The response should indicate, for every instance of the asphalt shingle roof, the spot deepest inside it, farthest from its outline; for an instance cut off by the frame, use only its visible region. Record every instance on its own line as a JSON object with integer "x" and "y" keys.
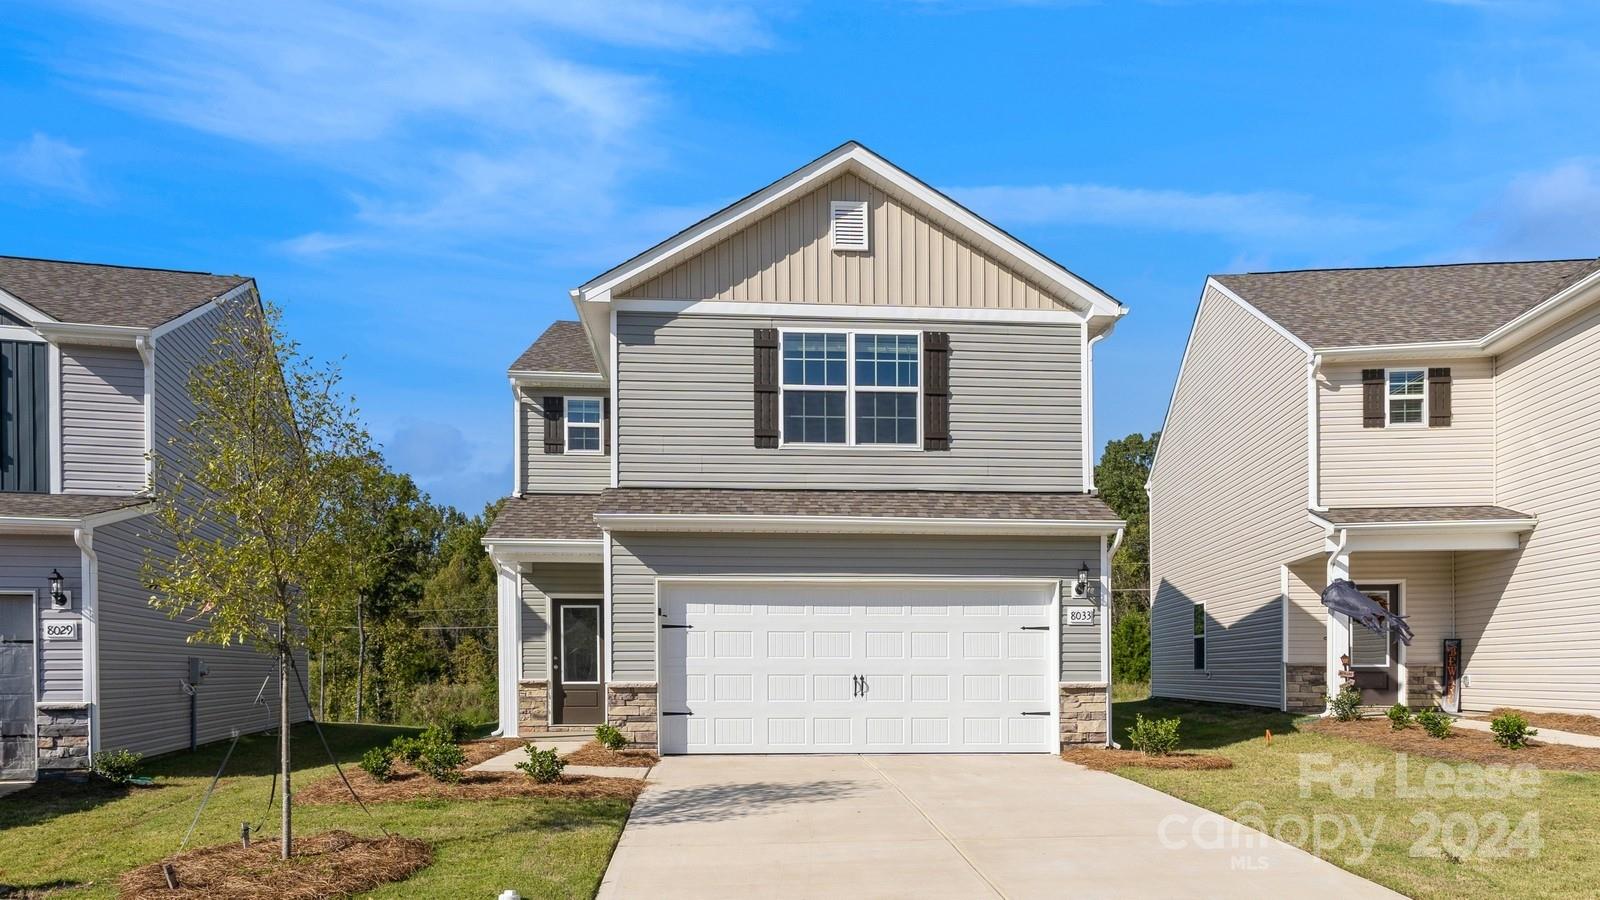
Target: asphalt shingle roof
{"x": 556, "y": 517}
{"x": 1395, "y": 515}
{"x": 94, "y": 294}
{"x": 1370, "y": 307}
{"x": 61, "y": 506}
{"x": 562, "y": 348}
{"x": 888, "y": 504}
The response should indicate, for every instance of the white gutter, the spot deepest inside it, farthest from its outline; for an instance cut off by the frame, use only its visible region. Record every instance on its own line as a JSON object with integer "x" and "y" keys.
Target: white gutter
{"x": 1313, "y": 432}
{"x": 103, "y": 335}
{"x": 853, "y": 524}
{"x": 147, "y": 353}
{"x": 89, "y": 613}
{"x": 516, "y": 440}
{"x": 528, "y": 378}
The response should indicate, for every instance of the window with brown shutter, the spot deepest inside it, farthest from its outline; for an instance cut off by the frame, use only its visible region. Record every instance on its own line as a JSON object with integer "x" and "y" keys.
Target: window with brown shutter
{"x": 555, "y": 440}
{"x": 936, "y": 390}
{"x": 1372, "y": 398}
{"x": 1439, "y": 398}
{"x": 766, "y": 388}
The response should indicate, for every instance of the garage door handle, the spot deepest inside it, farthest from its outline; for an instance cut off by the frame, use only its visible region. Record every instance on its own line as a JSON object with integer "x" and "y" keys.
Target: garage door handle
{"x": 677, "y": 714}
{"x": 677, "y": 626}
{"x": 1045, "y": 713}
{"x": 855, "y": 685}
{"x": 1036, "y": 628}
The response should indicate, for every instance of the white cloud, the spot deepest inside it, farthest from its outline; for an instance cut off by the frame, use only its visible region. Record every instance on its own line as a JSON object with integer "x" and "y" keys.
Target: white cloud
{"x": 1550, "y": 213}
{"x": 454, "y": 119}
{"x": 50, "y": 164}
{"x": 1282, "y": 220}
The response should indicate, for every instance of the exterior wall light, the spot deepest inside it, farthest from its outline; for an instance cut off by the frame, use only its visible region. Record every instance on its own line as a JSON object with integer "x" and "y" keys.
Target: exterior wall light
{"x": 58, "y": 593}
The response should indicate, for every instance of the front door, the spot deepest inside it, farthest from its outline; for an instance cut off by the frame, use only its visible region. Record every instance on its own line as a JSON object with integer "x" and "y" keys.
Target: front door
{"x": 1374, "y": 657}
{"x": 577, "y": 664}
{"x": 18, "y": 749}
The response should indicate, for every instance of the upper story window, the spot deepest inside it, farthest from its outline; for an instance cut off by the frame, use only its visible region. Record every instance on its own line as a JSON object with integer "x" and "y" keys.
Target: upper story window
{"x": 583, "y": 425}
{"x": 851, "y": 388}
{"x": 1407, "y": 396}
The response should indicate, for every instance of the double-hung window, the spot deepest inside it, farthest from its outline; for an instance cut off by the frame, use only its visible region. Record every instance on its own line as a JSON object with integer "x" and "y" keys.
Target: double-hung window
{"x": 1407, "y": 396}
{"x": 583, "y": 425}
{"x": 851, "y": 388}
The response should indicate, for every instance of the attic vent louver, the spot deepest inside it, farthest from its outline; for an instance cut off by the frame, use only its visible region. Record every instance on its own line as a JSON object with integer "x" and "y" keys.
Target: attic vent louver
{"x": 848, "y": 220}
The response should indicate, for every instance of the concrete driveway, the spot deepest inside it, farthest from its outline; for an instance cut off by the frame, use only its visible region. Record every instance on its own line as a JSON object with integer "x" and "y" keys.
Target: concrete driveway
{"x": 939, "y": 826}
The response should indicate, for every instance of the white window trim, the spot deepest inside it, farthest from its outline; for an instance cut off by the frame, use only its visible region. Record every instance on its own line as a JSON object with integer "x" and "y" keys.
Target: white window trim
{"x": 1388, "y": 631}
{"x": 849, "y": 388}
{"x": 1204, "y": 637}
{"x": 1389, "y": 398}
{"x": 567, "y": 425}
{"x": 599, "y": 639}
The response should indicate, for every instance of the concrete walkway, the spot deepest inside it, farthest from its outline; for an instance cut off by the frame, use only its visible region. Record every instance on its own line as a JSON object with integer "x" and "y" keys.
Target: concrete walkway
{"x": 1018, "y": 826}
{"x": 1545, "y": 735}
{"x": 507, "y": 762}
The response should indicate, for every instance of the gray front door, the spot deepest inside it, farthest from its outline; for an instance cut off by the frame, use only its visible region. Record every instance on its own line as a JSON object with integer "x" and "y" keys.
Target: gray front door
{"x": 18, "y": 749}
{"x": 577, "y": 664}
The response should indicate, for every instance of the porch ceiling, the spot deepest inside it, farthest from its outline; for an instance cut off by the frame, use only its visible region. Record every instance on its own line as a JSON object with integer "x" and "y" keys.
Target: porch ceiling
{"x": 1393, "y": 528}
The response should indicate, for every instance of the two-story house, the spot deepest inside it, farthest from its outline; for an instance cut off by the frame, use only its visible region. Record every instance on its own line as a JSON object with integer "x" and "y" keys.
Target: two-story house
{"x": 1428, "y": 433}
{"x": 94, "y": 364}
{"x": 813, "y": 475}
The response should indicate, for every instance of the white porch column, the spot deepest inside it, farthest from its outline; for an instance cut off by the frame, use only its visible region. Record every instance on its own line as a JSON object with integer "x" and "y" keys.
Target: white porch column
{"x": 509, "y": 646}
{"x": 1338, "y": 623}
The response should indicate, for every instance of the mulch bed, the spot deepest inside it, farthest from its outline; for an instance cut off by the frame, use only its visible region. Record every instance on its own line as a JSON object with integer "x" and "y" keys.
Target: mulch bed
{"x": 1462, "y": 745}
{"x": 330, "y": 864}
{"x": 409, "y": 784}
{"x": 596, "y": 754}
{"x": 1105, "y": 759}
{"x": 1558, "y": 721}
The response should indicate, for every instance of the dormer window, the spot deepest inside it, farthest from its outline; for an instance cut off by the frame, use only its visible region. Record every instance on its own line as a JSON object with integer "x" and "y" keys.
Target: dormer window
{"x": 1407, "y": 396}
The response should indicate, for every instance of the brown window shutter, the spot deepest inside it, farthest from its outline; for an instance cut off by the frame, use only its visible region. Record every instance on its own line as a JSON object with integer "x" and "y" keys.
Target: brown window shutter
{"x": 1439, "y": 398}
{"x": 555, "y": 437}
{"x": 1372, "y": 388}
{"x": 605, "y": 422}
{"x": 935, "y": 390}
{"x": 766, "y": 388}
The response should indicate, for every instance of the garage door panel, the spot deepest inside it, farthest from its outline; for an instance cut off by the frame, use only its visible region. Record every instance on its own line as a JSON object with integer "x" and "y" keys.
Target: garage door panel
{"x": 837, "y": 668}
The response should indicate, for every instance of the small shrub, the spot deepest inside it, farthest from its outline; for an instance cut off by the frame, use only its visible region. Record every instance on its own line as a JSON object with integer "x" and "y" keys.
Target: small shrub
{"x": 1399, "y": 717}
{"x": 1434, "y": 722}
{"x": 543, "y": 766}
{"x": 1511, "y": 731}
{"x": 610, "y": 738}
{"x": 439, "y": 757}
{"x": 457, "y": 728}
{"x": 1346, "y": 705}
{"x": 406, "y": 749}
{"x": 379, "y": 763}
{"x": 1156, "y": 737}
{"x": 117, "y": 766}
{"x": 441, "y": 702}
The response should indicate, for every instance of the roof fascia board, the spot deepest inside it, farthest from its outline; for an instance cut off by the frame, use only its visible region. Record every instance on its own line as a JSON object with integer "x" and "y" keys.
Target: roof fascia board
{"x": 531, "y": 378}
{"x": 226, "y": 297}
{"x": 101, "y": 335}
{"x": 853, "y": 524}
{"x": 732, "y": 218}
{"x": 1526, "y": 523}
{"x": 848, "y": 311}
{"x": 1431, "y": 349}
{"x": 553, "y": 550}
{"x": 1548, "y": 310}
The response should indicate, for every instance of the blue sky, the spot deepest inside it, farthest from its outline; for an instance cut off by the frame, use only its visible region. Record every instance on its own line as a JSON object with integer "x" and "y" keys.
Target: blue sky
{"x": 419, "y": 184}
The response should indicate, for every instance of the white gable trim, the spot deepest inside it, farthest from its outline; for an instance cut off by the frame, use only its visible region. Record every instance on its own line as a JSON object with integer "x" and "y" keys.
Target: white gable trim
{"x": 848, "y": 157}
{"x": 849, "y": 311}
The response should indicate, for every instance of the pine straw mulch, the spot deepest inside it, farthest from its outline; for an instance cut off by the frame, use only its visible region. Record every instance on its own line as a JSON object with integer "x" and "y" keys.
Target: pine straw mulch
{"x": 1462, "y": 745}
{"x": 1105, "y": 759}
{"x": 330, "y": 864}
{"x": 596, "y": 754}
{"x": 1555, "y": 721}
{"x": 409, "y": 784}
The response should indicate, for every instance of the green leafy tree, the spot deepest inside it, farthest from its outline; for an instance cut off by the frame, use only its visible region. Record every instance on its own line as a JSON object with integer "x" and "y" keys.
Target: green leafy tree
{"x": 1120, "y": 477}
{"x": 249, "y": 490}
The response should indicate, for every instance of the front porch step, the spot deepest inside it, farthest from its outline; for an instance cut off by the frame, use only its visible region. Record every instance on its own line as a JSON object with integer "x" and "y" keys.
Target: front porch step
{"x": 561, "y": 731}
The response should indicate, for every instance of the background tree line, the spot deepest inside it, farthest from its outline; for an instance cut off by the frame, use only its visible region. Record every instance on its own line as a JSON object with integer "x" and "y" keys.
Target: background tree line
{"x": 1120, "y": 476}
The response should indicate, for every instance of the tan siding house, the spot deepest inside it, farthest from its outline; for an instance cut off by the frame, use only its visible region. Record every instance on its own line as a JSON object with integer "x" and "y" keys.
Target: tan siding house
{"x": 1446, "y": 441}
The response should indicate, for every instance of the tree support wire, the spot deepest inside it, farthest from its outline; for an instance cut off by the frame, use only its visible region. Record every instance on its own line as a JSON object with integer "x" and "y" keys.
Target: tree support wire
{"x": 206, "y": 798}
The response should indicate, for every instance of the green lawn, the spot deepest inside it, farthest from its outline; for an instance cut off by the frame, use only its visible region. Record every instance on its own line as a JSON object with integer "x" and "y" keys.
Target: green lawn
{"x": 82, "y": 837}
{"x": 1468, "y": 855}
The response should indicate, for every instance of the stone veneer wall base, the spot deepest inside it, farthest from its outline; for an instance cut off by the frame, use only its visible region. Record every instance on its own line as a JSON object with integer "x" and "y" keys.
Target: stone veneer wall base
{"x": 631, "y": 709}
{"x": 1424, "y": 685}
{"x": 62, "y": 739}
{"x": 533, "y": 707}
{"x": 1306, "y": 688}
{"x": 1083, "y": 714}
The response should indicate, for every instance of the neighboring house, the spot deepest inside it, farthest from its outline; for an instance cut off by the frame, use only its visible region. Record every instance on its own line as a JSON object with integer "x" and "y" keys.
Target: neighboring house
{"x": 813, "y": 475}
{"x": 94, "y": 364}
{"x": 1427, "y": 432}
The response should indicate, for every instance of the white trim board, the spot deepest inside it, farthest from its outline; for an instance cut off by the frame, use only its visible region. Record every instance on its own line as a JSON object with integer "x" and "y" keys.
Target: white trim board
{"x": 853, "y": 525}
{"x": 848, "y": 311}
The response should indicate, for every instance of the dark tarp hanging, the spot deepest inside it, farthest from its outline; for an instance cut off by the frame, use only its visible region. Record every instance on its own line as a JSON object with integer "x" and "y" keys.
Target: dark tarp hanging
{"x": 1342, "y": 596}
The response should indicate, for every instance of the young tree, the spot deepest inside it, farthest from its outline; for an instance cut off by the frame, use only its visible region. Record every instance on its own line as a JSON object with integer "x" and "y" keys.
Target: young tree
{"x": 249, "y": 491}
{"x": 1120, "y": 477}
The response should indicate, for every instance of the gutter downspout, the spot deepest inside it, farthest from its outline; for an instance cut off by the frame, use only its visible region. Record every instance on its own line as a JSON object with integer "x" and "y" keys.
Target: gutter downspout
{"x": 1313, "y": 429}
{"x": 518, "y": 430}
{"x": 1106, "y": 560}
{"x": 89, "y": 611}
{"x": 1088, "y": 402}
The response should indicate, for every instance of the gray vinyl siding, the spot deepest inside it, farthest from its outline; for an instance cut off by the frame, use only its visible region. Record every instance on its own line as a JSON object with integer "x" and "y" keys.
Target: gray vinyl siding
{"x": 25, "y": 565}
{"x": 540, "y": 583}
{"x": 686, "y": 408}
{"x": 102, "y": 420}
{"x": 1228, "y": 508}
{"x": 1529, "y": 621}
{"x": 915, "y": 259}
{"x": 637, "y": 559}
{"x": 144, "y": 657}
{"x": 561, "y": 473}
{"x": 1408, "y": 466}
{"x": 176, "y": 353}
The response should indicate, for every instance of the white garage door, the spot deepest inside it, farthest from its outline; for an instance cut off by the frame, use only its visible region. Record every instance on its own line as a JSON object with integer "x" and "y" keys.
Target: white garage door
{"x": 768, "y": 668}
